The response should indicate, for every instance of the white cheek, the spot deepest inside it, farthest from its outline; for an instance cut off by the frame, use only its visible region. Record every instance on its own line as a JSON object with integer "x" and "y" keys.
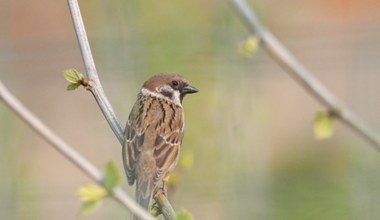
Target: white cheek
{"x": 164, "y": 88}
{"x": 175, "y": 99}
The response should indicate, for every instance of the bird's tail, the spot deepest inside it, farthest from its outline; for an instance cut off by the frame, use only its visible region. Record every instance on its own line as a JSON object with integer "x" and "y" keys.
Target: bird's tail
{"x": 144, "y": 194}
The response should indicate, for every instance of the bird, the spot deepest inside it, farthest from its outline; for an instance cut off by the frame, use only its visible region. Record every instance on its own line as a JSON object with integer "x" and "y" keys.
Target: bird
{"x": 153, "y": 134}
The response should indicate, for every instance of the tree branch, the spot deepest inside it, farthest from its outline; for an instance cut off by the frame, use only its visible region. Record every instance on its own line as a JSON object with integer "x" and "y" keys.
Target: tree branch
{"x": 94, "y": 83}
{"x": 63, "y": 148}
{"x": 302, "y": 75}
{"x": 98, "y": 92}
{"x": 165, "y": 207}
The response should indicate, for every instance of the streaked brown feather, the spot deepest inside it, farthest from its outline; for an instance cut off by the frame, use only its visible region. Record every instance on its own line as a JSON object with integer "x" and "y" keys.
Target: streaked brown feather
{"x": 151, "y": 115}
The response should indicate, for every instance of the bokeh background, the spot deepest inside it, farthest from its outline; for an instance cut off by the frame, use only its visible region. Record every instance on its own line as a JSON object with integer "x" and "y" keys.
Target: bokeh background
{"x": 249, "y": 129}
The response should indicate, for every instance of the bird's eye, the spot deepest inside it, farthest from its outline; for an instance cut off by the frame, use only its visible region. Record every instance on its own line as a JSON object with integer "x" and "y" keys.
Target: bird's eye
{"x": 175, "y": 83}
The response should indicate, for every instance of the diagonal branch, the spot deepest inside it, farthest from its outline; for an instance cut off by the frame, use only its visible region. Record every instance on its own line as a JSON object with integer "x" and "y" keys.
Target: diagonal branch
{"x": 96, "y": 89}
{"x": 63, "y": 148}
{"x": 302, "y": 75}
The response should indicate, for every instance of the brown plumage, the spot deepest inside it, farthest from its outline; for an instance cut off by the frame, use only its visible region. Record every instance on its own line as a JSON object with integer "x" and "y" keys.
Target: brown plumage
{"x": 154, "y": 133}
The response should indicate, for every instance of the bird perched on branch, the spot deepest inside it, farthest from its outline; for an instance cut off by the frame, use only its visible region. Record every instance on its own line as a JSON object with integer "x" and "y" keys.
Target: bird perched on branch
{"x": 154, "y": 133}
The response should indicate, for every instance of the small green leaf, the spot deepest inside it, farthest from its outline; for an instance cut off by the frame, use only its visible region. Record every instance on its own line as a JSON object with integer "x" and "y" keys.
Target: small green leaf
{"x": 72, "y": 86}
{"x": 89, "y": 207}
{"x": 324, "y": 125}
{"x": 186, "y": 160}
{"x": 73, "y": 76}
{"x": 249, "y": 47}
{"x": 112, "y": 176}
{"x": 183, "y": 214}
{"x": 92, "y": 192}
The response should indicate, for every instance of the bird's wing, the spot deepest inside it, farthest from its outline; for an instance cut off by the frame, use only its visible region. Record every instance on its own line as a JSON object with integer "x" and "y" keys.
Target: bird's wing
{"x": 134, "y": 138}
{"x": 166, "y": 153}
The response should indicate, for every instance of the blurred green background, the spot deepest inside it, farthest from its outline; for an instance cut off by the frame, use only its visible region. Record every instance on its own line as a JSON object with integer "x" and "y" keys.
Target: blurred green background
{"x": 249, "y": 128}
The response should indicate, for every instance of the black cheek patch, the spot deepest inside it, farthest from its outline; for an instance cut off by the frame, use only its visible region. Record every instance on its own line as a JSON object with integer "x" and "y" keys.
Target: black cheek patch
{"x": 167, "y": 94}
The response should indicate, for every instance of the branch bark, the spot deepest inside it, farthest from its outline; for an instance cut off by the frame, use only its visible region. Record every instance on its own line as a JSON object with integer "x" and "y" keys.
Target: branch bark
{"x": 302, "y": 75}
{"x": 96, "y": 89}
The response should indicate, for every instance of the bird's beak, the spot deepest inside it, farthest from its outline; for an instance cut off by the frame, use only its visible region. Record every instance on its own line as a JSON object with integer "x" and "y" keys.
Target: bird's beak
{"x": 187, "y": 89}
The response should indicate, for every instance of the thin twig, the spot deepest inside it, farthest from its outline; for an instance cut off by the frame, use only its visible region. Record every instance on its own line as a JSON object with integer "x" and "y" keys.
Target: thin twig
{"x": 96, "y": 89}
{"x": 67, "y": 151}
{"x": 302, "y": 75}
{"x": 94, "y": 85}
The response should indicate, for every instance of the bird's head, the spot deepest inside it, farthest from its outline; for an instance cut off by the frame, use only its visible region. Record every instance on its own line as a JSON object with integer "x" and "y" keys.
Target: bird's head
{"x": 169, "y": 86}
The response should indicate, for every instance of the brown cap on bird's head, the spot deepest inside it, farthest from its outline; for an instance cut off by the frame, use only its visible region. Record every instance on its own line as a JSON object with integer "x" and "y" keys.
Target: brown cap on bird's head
{"x": 175, "y": 81}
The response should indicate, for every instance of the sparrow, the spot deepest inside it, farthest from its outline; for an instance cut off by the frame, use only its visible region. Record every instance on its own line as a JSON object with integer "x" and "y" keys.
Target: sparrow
{"x": 154, "y": 132}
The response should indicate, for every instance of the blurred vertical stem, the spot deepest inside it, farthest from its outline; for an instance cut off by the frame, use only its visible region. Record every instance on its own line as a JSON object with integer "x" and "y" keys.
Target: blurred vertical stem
{"x": 302, "y": 75}
{"x": 97, "y": 90}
